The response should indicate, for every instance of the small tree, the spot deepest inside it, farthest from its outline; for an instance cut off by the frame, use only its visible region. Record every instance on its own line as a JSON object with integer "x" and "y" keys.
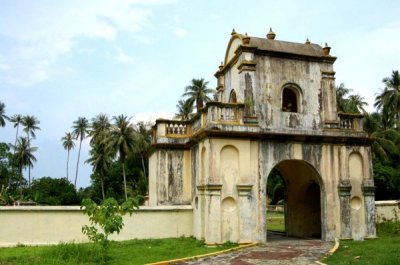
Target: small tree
{"x": 106, "y": 219}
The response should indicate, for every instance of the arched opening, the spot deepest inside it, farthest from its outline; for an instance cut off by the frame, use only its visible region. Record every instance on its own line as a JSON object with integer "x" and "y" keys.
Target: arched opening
{"x": 276, "y": 202}
{"x": 302, "y": 199}
{"x": 289, "y": 100}
{"x": 232, "y": 97}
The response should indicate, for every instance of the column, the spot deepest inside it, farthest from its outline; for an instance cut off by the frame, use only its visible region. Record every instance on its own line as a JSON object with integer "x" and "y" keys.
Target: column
{"x": 212, "y": 213}
{"x": 368, "y": 189}
{"x": 344, "y": 189}
{"x": 246, "y": 220}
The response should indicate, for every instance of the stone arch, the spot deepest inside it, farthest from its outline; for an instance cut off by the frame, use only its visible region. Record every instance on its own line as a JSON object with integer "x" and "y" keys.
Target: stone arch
{"x": 291, "y": 98}
{"x": 233, "y": 96}
{"x": 229, "y": 168}
{"x": 305, "y": 199}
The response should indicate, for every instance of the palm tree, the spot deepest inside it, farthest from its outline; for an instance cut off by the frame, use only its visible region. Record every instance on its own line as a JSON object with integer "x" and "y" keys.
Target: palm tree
{"x": 198, "y": 92}
{"x": 389, "y": 99}
{"x": 122, "y": 141}
{"x": 80, "y": 130}
{"x": 100, "y": 159}
{"x": 30, "y": 124}
{"x": 3, "y": 116}
{"x": 68, "y": 144}
{"x": 341, "y": 100}
{"x": 185, "y": 109}
{"x": 100, "y": 125}
{"x": 23, "y": 155}
{"x": 17, "y": 120}
{"x": 143, "y": 141}
{"x": 356, "y": 104}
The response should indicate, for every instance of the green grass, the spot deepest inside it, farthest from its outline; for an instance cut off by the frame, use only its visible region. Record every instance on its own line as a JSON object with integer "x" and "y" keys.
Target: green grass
{"x": 383, "y": 250}
{"x": 126, "y": 252}
{"x": 276, "y": 221}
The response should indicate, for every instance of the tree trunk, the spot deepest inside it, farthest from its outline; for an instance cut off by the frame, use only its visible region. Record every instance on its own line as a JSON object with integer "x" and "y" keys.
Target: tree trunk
{"x": 20, "y": 183}
{"x": 144, "y": 168}
{"x": 123, "y": 173}
{"x": 29, "y": 166}
{"x": 102, "y": 189}
{"x": 77, "y": 163}
{"x": 67, "y": 163}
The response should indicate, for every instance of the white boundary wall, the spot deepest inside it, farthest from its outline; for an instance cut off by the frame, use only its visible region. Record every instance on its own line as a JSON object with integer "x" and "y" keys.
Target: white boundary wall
{"x": 387, "y": 211}
{"x": 43, "y": 225}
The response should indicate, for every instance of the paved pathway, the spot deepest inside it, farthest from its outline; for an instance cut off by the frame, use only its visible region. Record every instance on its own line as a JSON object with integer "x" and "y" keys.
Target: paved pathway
{"x": 278, "y": 251}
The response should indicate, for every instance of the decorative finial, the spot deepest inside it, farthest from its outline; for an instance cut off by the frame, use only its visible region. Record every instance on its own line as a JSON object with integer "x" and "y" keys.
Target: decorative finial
{"x": 326, "y": 50}
{"x": 307, "y": 41}
{"x": 233, "y": 32}
{"x": 221, "y": 66}
{"x": 271, "y": 35}
{"x": 246, "y": 39}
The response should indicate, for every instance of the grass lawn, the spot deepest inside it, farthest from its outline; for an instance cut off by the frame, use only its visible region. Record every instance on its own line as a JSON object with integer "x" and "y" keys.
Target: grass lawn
{"x": 276, "y": 221}
{"x": 126, "y": 252}
{"x": 383, "y": 250}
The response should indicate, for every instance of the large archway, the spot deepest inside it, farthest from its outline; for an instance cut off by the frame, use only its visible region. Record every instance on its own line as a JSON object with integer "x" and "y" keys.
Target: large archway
{"x": 303, "y": 200}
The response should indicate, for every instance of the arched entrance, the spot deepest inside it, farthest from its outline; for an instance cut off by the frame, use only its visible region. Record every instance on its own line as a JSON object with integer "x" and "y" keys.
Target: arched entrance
{"x": 302, "y": 199}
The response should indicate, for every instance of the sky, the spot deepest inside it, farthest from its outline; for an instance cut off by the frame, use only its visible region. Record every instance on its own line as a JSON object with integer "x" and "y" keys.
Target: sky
{"x": 60, "y": 60}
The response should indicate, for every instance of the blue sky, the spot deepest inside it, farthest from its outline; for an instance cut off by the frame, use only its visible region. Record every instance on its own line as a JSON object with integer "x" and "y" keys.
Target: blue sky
{"x": 63, "y": 59}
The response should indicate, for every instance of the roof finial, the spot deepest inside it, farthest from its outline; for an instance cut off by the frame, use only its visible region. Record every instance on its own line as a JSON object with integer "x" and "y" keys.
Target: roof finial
{"x": 307, "y": 41}
{"x": 246, "y": 39}
{"x": 221, "y": 66}
{"x": 233, "y": 32}
{"x": 271, "y": 35}
{"x": 326, "y": 50}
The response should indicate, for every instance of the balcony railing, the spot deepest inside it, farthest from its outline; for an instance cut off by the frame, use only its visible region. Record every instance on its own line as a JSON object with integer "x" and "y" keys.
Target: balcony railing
{"x": 351, "y": 121}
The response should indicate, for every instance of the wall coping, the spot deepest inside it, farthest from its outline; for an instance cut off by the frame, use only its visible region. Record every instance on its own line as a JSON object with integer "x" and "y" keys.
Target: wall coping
{"x": 383, "y": 203}
{"x": 78, "y": 208}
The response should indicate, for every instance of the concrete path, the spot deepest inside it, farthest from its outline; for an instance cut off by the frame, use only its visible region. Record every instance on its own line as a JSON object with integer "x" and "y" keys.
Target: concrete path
{"x": 278, "y": 251}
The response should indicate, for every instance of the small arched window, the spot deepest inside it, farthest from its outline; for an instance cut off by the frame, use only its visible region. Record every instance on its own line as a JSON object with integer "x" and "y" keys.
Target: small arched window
{"x": 289, "y": 100}
{"x": 232, "y": 97}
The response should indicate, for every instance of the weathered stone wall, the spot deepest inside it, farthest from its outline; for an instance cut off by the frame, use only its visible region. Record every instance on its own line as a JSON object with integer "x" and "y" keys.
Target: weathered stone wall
{"x": 170, "y": 182}
{"x": 43, "y": 225}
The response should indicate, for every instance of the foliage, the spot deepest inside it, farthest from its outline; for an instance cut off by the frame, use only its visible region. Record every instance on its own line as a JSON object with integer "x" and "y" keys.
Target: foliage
{"x": 185, "y": 109}
{"x": 68, "y": 144}
{"x": 51, "y": 191}
{"x": 349, "y": 103}
{"x": 389, "y": 99}
{"x": 3, "y": 116}
{"x": 275, "y": 187}
{"x": 107, "y": 216}
{"x": 198, "y": 92}
{"x": 80, "y": 131}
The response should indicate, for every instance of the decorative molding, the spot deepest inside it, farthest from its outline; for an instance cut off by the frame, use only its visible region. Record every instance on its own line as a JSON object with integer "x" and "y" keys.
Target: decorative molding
{"x": 247, "y": 66}
{"x": 344, "y": 187}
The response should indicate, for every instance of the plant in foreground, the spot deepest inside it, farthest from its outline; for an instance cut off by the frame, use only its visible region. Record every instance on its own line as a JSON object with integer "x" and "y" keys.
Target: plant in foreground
{"x": 106, "y": 219}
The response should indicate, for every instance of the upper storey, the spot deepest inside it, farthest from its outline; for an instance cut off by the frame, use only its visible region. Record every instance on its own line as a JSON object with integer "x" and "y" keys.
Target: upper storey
{"x": 284, "y": 85}
{"x": 269, "y": 89}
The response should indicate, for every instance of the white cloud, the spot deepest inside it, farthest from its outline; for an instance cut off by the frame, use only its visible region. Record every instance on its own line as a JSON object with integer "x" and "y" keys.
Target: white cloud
{"x": 51, "y": 30}
{"x": 180, "y": 32}
{"x": 123, "y": 57}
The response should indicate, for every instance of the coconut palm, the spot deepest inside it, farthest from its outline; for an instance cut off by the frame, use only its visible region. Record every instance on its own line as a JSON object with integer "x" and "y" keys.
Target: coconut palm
{"x": 23, "y": 156}
{"x": 185, "y": 109}
{"x": 356, "y": 104}
{"x": 122, "y": 141}
{"x": 198, "y": 92}
{"x": 80, "y": 131}
{"x": 143, "y": 141}
{"x": 17, "y": 120}
{"x": 101, "y": 160}
{"x": 100, "y": 125}
{"x": 30, "y": 124}
{"x": 389, "y": 99}
{"x": 68, "y": 144}
{"x": 3, "y": 116}
{"x": 341, "y": 97}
